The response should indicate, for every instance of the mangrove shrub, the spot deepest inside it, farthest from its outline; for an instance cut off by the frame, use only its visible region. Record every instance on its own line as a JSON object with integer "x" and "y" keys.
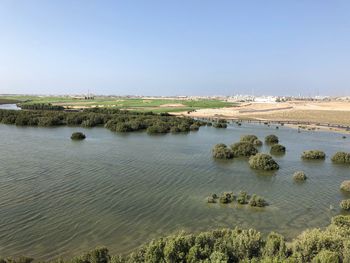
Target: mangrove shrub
{"x": 345, "y": 204}
{"x": 299, "y": 176}
{"x": 341, "y": 157}
{"x": 221, "y": 151}
{"x": 277, "y": 149}
{"x": 313, "y": 155}
{"x": 271, "y": 139}
{"x": 243, "y": 149}
{"x": 345, "y": 186}
{"x": 262, "y": 161}
{"x": 78, "y": 136}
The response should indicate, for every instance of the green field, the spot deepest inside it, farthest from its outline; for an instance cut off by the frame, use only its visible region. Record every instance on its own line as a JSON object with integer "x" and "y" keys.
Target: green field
{"x": 140, "y": 104}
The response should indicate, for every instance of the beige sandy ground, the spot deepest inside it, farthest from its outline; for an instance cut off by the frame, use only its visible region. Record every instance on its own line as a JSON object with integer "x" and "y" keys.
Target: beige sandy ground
{"x": 312, "y": 114}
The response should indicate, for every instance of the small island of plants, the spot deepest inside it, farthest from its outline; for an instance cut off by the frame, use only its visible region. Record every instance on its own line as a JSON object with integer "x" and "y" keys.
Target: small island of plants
{"x": 243, "y": 149}
{"x": 341, "y": 157}
{"x": 277, "y": 149}
{"x": 242, "y": 198}
{"x": 345, "y": 204}
{"x": 313, "y": 155}
{"x": 262, "y": 161}
{"x": 271, "y": 139}
{"x": 299, "y": 176}
{"x": 345, "y": 186}
{"x": 221, "y": 151}
{"x": 78, "y": 136}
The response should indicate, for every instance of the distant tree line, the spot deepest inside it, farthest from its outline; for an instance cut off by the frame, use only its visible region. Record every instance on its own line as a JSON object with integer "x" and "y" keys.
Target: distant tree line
{"x": 331, "y": 244}
{"x": 113, "y": 119}
{"x": 41, "y": 106}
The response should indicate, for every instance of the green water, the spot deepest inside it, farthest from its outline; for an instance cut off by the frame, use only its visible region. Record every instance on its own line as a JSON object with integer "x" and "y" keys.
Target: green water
{"x": 59, "y": 197}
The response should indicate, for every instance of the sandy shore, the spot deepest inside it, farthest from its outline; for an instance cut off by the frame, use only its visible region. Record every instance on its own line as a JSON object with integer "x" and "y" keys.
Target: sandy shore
{"x": 333, "y": 115}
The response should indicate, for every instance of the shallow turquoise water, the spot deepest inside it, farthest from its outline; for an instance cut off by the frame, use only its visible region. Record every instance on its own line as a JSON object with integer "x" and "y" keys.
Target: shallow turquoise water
{"x": 59, "y": 197}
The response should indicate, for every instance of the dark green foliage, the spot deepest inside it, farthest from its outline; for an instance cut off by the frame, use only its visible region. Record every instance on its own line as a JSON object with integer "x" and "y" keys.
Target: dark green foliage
{"x": 242, "y": 198}
{"x": 41, "y": 106}
{"x": 233, "y": 245}
{"x": 257, "y": 201}
{"x": 220, "y": 125}
{"x": 277, "y": 149}
{"x": 299, "y": 176}
{"x": 345, "y": 204}
{"x": 262, "y": 161}
{"x": 78, "y": 136}
{"x": 113, "y": 119}
{"x": 226, "y": 198}
{"x": 341, "y": 157}
{"x": 271, "y": 139}
{"x": 221, "y": 151}
{"x": 345, "y": 186}
{"x": 243, "y": 149}
{"x": 313, "y": 155}
{"x": 257, "y": 142}
{"x": 249, "y": 138}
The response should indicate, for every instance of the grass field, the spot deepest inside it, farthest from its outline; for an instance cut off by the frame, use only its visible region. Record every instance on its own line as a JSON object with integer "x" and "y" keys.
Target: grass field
{"x": 141, "y": 104}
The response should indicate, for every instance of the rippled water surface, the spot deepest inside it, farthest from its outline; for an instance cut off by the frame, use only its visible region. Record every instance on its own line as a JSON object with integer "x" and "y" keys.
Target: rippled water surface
{"x": 59, "y": 197}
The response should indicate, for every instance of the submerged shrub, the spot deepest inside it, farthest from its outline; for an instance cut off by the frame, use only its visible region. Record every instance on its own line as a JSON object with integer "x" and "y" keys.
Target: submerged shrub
{"x": 262, "y": 161}
{"x": 78, "y": 136}
{"x": 345, "y": 186}
{"x": 271, "y": 139}
{"x": 243, "y": 149}
{"x": 242, "y": 198}
{"x": 249, "y": 138}
{"x": 220, "y": 125}
{"x": 341, "y": 157}
{"x": 313, "y": 155}
{"x": 299, "y": 176}
{"x": 221, "y": 151}
{"x": 277, "y": 148}
{"x": 258, "y": 201}
{"x": 345, "y": 204}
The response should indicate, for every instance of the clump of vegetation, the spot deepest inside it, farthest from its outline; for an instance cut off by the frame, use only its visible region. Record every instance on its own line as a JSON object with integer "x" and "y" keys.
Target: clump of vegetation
{"x": 242, "y": 198}
{"x": 249, "y": 138}
{"x": 313, "y": 155}
{"x": 243, "y": 149}
{"x": 257, "y": 201}
{"x": 78, "y": 136}
{"x": 112, "y": 119}
{"x": 221, "y": 151}
{"x": 41, "y": 106}
{"x": 220, "y": 125}
{"x": 345, "y": 204}
{"x": 345, "y": 186}
{"x": 299, "y": 176}
{"x": 257, "y": 142}
{"x": 271, "y": 139}
{"x": 233, "y": 245}
{"x": 277, "y": 149}
{"x": 262, "y": 161}
{"x": 341, "y": 157}
{"x": 226, "y": 198}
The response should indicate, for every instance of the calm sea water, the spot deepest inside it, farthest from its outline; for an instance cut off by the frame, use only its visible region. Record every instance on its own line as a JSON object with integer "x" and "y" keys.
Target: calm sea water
{"x": 9, "y": 107}
{"x": 59, "y": 197}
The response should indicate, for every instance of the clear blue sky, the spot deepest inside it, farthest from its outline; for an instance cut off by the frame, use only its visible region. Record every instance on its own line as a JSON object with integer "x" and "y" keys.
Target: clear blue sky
{"x": 182, "y": 47}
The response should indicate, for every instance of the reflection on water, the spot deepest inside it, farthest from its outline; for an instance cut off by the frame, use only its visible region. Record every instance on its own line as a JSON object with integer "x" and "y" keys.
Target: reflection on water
{"x": 9, "y": 107}
{"x": 59, "y": 197}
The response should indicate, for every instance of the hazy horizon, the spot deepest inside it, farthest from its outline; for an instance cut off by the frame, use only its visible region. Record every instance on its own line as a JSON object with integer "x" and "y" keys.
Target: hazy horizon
{"x": 157, "y": 48}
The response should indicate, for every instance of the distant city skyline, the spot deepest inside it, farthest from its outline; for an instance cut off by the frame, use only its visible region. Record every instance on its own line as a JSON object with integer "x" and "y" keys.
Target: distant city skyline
{"x": 163, "y": 48}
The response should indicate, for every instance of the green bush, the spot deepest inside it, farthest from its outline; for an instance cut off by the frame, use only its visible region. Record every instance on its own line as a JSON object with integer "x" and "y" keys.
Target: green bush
{"x": 277, "y": 149}
{"x": 341, "y": 157}
{"x": 220, "y": 125}
{"x": 257, "y": 201}
{"x": 313, "y": 155}
{"x": 257, "y": 142}
{"x": 221, "y": 151}
{"x": 78, "y": 136}
{"x": 299, "y": 176}
{"x": 262, "y": 161}
{"x": 243, "y": 149}
{"x": 345, "y": 204}
{"x": 242, "y": 198}
{"x": 326, "y": 256}
{"x": 329, "y": 245}
{"x": 249, "y": 138}
{"x": 271, "y": 139}
{"x": 345, "y": 186}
